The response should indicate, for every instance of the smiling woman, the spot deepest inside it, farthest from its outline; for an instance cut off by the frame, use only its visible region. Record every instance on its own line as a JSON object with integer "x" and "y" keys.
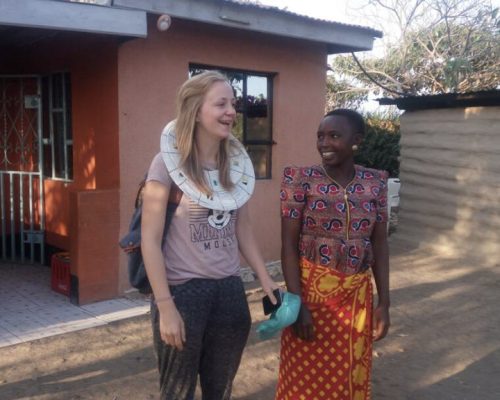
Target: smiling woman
{"x": 334, "y": 218}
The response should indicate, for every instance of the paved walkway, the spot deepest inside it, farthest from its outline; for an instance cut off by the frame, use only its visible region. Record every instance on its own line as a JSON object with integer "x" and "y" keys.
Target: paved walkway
{"x": 30, "y": 310}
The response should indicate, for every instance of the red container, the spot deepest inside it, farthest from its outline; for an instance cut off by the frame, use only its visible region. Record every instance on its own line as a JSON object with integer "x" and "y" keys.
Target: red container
{"x": 60, "y": 273}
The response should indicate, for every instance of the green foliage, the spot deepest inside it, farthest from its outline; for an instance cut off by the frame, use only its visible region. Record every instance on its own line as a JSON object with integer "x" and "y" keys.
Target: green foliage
{"x": 380, "y": 147}
{"x": 343, "y": 94}
{"x": 445, "y": 46}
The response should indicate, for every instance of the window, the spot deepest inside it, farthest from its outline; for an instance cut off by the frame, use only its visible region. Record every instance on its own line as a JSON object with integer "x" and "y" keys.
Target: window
{"x": 57, "y": 135}
{"x": 253, "y": 126}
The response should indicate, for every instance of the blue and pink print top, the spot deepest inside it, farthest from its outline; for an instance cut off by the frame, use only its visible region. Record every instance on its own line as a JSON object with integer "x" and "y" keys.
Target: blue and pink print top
{"x": 337, "y": 222}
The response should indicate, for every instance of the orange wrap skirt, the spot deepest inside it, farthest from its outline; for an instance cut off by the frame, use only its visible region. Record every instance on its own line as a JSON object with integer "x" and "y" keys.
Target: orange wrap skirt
{"x": 336, "y": 365}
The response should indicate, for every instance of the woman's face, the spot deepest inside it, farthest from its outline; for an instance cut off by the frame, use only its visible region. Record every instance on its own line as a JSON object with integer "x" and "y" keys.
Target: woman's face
{"x": 217, "y": 113}
{"x": 335, "y": 139}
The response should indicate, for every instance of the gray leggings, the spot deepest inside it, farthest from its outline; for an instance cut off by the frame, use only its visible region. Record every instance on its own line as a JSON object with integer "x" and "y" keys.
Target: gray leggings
{"x": 217, "y": 321}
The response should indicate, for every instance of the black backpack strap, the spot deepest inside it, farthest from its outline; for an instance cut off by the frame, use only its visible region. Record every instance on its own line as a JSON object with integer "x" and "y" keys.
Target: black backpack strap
{"x": 174, "y": 198}
{"x": 175, "y": 195}
{"x": 138, "y": 196}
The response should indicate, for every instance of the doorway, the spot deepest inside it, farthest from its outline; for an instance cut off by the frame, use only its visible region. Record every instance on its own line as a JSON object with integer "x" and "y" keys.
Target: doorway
{"x": 22, "y": 216}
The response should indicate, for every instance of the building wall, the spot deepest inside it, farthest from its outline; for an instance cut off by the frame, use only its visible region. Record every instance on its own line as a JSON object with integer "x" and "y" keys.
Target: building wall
{"x": 150, "y": 72}
{"x": 449, "y": 181}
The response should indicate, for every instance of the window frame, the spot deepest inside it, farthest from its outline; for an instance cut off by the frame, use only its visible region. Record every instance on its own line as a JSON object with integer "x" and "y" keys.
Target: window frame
{"x": 270, "y": 102}
{"x": 49, "y": 139}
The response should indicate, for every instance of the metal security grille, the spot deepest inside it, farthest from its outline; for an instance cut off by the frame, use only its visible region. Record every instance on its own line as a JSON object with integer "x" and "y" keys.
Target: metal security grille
{"x": 21, "y": 181}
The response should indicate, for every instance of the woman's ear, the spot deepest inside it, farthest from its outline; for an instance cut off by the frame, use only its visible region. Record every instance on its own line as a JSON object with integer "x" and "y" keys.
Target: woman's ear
{"x": 358, "y": 138}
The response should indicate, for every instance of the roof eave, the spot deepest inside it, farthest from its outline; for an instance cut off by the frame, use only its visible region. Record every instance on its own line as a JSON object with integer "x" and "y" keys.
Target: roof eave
{"x": 68, "y": 16}
{"x": 339, "y": 38}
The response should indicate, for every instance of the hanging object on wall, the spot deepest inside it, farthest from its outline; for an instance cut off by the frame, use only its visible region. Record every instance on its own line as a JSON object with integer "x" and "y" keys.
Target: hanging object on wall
{"x": 164, "y": 22}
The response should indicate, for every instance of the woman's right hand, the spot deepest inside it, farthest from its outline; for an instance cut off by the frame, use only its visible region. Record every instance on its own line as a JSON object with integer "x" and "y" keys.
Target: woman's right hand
{"x": 172, "y": 328}
{"x": 303, "y": 327}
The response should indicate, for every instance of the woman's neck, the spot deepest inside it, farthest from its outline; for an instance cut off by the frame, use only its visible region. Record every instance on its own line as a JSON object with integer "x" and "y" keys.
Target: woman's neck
{"x": 343, "y": 174}
{"x": 208, "y": 150}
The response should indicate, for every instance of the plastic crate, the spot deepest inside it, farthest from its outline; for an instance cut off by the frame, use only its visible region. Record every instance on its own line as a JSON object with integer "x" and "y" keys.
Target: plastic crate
{"x": 60, "y": 273}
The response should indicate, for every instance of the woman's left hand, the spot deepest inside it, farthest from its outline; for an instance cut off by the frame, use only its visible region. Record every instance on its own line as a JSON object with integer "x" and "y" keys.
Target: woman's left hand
{"x": 381, "y": 322}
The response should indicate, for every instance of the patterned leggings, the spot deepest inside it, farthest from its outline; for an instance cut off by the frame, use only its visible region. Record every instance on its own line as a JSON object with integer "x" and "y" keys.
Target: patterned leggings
{"x": 217, "y": 321}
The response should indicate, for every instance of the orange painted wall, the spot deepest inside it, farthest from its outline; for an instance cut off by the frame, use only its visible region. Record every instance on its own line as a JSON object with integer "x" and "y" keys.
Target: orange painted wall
{"x": 94, "y": 223}
{"x": 152, "y": 69}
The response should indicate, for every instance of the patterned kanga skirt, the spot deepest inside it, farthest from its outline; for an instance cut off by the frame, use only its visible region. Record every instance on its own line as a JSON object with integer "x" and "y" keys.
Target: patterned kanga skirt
{"x": 337, "y": 364}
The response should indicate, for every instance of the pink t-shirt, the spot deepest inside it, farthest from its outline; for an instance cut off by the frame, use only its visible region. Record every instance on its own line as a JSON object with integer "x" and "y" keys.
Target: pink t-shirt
{"x": 201, "y": 243}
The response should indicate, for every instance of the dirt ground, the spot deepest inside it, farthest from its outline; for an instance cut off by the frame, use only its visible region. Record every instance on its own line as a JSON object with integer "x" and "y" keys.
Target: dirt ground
{"x": 444, "y": 344}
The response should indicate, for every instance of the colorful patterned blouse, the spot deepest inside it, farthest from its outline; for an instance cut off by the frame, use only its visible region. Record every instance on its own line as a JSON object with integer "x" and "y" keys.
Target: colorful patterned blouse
{"x": 337, "y": 223}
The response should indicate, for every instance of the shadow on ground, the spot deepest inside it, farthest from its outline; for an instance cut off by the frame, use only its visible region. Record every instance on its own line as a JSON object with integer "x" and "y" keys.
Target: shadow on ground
{"x": 444, "y": 344}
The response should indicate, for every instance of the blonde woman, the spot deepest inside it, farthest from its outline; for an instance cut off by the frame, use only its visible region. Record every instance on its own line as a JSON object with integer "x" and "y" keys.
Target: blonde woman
{"x": 200, "y": 315}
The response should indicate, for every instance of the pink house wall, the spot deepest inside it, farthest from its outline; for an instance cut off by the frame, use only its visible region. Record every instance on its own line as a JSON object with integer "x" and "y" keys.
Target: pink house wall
{"x": 151, "y": 70}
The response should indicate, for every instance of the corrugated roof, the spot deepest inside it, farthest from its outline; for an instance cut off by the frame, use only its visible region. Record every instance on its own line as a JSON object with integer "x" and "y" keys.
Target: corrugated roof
{"x": 257, "y": 4}
{"x": 484, "y": 98}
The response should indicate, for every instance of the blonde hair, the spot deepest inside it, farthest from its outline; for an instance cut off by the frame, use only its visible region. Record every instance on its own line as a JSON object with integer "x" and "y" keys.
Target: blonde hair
{"x": 189, "y": 101}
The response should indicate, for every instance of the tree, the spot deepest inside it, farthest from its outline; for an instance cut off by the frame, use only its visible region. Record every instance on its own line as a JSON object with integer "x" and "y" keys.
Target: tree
{"x": 443, "y": 46}
{"x": 380, "y": 146}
